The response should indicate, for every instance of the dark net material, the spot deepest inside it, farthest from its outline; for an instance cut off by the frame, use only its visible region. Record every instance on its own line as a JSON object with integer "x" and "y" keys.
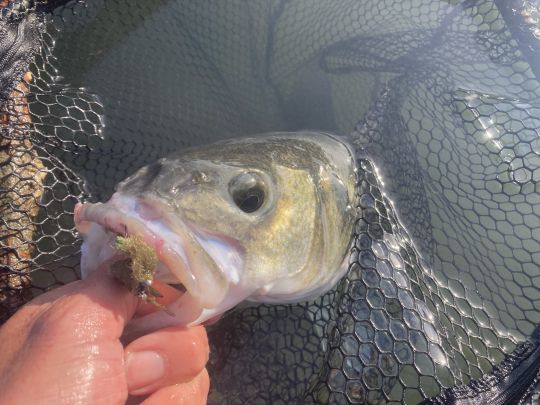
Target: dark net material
{"x": 440, "y": 99}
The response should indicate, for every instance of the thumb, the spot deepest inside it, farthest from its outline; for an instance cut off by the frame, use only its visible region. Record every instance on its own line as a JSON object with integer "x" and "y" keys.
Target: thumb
{"x": 67, "y": 341}
{"x": 95, "y": 308}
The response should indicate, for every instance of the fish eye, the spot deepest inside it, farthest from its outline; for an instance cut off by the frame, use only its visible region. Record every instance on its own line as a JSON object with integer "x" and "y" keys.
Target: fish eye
{"x": 248, "y": 192}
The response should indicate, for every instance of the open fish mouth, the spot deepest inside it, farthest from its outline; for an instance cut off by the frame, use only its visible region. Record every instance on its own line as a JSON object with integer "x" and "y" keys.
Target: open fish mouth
{"x": 265, "y": 220}
{"x": 181, "y": 249}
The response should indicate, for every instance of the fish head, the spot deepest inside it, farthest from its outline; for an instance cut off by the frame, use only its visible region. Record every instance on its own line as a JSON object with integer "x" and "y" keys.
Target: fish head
{"x": 267, "y": 218}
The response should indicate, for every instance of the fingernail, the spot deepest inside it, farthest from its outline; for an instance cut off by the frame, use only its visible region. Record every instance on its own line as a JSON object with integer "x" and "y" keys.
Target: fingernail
{"x": 143, "y": 369}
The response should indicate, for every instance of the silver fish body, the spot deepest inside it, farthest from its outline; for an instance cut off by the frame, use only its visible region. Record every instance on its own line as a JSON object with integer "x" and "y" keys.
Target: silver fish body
{"x": 267, "y": 218}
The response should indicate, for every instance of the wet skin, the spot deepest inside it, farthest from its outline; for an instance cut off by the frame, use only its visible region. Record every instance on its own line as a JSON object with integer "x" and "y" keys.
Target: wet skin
{"x": 66, "y": 347}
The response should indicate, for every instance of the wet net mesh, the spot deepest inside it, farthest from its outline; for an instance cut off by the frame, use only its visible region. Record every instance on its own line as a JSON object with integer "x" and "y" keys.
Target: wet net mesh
{"x": 441, "y": 100}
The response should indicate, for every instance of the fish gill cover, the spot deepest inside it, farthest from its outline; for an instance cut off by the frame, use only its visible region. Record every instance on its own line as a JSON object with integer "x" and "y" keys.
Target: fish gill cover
{"x": 441, "y": 100}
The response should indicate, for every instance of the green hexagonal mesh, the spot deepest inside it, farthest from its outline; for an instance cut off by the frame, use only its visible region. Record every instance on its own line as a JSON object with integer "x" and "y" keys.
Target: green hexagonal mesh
{"x": 441, "y": 100}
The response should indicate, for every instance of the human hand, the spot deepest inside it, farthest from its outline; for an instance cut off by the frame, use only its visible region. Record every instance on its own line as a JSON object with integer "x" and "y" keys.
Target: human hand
{"x": 64, "y": 347}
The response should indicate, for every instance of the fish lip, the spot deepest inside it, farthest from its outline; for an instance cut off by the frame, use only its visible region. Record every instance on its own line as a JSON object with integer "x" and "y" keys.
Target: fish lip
{"x": 114, "y": 219}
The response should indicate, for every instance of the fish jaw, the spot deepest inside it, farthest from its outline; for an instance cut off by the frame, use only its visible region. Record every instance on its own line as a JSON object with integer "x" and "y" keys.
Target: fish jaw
{"x": 208, "y": 265}
{"x": 186, "y": 312}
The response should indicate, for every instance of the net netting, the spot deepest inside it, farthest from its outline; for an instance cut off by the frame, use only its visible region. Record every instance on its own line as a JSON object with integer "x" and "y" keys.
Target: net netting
{"x": 440, "y": 98}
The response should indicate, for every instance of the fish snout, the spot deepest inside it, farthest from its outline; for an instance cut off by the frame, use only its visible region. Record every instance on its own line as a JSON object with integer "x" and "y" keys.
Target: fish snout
{"x": 142, "y": 180}
{"x": 148, "y": 211}
{"x": 164, "y": 178}
{"x": 174, "y": 179}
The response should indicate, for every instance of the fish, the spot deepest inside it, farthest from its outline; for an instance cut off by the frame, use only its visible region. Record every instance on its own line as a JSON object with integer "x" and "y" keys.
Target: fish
{"x": 267, "y": 218}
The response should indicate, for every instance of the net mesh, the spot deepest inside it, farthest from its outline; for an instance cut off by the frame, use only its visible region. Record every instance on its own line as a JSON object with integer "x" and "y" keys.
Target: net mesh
{"x": 440, "y": 99}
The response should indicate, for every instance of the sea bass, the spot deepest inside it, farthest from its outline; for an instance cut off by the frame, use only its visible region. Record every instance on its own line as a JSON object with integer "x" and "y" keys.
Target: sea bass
{"x": 266, "y": 218}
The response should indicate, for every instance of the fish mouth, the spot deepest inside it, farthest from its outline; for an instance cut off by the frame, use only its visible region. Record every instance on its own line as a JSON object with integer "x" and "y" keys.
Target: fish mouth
{"x": 187, "y": 256}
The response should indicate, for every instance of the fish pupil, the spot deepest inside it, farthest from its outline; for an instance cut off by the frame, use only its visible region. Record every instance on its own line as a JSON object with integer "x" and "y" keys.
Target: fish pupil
{"x": 250, "y": 203}
{"x": 248, "y": 192}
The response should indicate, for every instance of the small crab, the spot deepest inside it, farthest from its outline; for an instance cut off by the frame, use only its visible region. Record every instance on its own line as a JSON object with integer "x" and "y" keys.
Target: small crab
{"x": 136, "y": 272}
